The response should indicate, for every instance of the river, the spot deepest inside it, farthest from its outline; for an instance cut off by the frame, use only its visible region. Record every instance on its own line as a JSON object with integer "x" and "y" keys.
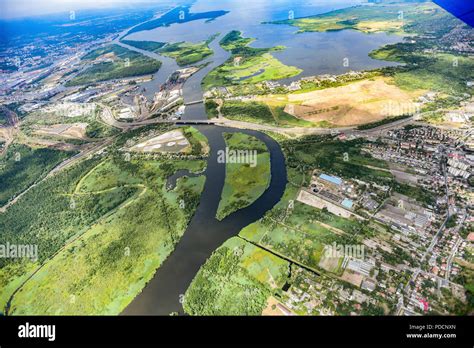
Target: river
{"x": 205, "y": 233}
{"x": 316, "y": 53}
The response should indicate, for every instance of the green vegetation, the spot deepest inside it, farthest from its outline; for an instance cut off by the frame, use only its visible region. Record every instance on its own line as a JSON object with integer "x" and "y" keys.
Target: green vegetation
{"x": 211, "y": 108}
{"x": 97, "y": 130}
{"x": 125, "y": 63}
{"x": 22, "y": 166}
{"x": 345, "y": 159}
{"x": 301, "y": 233}
{"x": 248, "y": 112}
{"x": 47, "y": 216}
{"x": 285, "y": 119}
{"x": 187, "y": 53}
{"x": 151, "y": 46}
{"x": 417, "y": 193}
{"x": 245, "y": 182}
{"x": 199, "y": 143}
{"x": 234, "y": 41}
{"x": 236, "y": 280}
{"x": 247, "y": 65}
{"x": 102, "y": 228}
{"x": 257, "y": 112}
{"x": 441, "y": 72}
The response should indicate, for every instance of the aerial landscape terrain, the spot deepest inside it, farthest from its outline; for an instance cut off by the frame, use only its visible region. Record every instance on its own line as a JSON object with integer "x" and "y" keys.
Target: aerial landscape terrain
{"x": 208, "y": 158}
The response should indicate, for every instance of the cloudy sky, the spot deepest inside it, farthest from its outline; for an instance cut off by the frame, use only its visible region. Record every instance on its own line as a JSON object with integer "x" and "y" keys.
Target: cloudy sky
{"x": 22, "y": 8}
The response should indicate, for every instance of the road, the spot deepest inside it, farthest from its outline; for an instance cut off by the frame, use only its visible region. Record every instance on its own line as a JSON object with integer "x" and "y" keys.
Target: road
{"x": 108, "y": 118}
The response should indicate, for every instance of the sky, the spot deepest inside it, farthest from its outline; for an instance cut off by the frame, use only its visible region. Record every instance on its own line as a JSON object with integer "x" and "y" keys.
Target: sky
{"x": 25, "y": 8}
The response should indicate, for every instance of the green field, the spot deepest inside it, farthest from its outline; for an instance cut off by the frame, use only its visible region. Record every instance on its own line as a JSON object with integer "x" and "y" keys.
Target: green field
{"x": 329, "y": 155}
{"x": 102, "y": 228}
{"x": 125, "y": 64}
{"x": 441, "y": 72}
{"x": 236, "y": 280}
{"x": 244, "y": 184}
{"x": 247, "y": 65}
{"x": 248, "y": 112}
{"x": 46, "y": 216}
{"x": 22, "y": 166}
{"x": 300, "y": 233}
{"x": 261, "y": 113}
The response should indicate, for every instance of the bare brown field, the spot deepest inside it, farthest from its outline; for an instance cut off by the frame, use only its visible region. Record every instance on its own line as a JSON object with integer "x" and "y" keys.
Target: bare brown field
{"x": 276, "y": 308}
{"x": 354, "y": 104}
{"x": 75, "y": 130}
{"x": 352, "y": 277}
{"x": 171, "y": 142}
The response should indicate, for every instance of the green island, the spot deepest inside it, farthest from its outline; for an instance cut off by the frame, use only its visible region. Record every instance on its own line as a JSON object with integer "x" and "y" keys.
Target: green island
{"x": 115, "y": 62}
{"x": 185, "y": 53}
{"x": 389, "y": 18}
{"x": 21, "y": 166}
{"x": 247, "y": 65}
{"x": 118, "y": 223}
{"x": 152, "y": 46}
{"x": 244, "y": 182}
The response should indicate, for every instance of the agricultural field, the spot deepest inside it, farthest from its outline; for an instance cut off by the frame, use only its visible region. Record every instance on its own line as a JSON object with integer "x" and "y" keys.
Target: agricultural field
{"x": 114, "y": 62}
{"x": 244, "y": 183}
{"x": 21, "y": 166}
{"x": 353, "y": 104}
{"x": 247, "y": 65}
{"x": 236, "y": 280}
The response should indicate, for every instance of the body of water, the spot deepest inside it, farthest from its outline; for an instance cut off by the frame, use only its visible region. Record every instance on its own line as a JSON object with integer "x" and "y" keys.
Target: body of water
{"x": 315, "y": 53}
